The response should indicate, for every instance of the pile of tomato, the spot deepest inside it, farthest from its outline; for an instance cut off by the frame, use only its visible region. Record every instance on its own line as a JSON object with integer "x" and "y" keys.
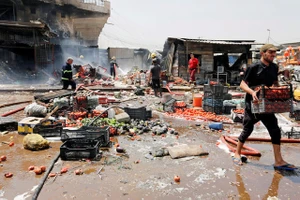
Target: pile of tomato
{"x": 77, "y": 115}
{"x": 198, "y": 114}
{"x": 238, "y": 111}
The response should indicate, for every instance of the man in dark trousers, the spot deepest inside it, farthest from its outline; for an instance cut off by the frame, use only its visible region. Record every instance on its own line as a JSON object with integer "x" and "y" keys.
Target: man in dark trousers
{"x": 113, "y": 67}
{"x": 67, "y": 75}
{"x": 155, "y": 72}
{"x": 264, "y": 72}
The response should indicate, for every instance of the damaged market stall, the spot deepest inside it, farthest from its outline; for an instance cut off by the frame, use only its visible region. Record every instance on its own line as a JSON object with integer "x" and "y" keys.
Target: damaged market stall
{"x": 229, "y": 54}
{"x": 22, "y": 41}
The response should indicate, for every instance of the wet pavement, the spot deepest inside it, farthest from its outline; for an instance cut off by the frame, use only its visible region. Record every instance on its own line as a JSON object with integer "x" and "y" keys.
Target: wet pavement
{"x": 138, "y": 175}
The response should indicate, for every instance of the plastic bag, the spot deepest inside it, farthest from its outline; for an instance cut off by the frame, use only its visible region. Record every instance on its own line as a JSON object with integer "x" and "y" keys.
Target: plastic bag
{"x": 61, "y": 102}
{"x": 35, "y": 110}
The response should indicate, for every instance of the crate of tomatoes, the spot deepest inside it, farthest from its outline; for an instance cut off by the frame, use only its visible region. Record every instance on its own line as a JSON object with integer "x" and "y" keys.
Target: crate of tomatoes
{"x": 276, "y": 93}
{"x": 271, "y": 106}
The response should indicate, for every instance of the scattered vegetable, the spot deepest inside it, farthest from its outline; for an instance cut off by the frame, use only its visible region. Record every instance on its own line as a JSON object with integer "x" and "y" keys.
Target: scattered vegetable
{"x": 43, "y": 168}
{"x": 177, "y": 179}
{"x": 64, "y": 170}
{"x": 37, "y": 170}
{"x": 52, "y": 175}
{"x": 8, "y": 175}
{"x": 78, "y": 172}
{"x": 3, "y": 158}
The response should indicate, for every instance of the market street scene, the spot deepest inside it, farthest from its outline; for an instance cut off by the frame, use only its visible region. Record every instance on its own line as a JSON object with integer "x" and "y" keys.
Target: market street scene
{"x": 95, "y": 105}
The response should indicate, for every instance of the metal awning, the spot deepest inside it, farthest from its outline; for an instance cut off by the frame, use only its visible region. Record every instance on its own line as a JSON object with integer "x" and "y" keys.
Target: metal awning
{"x": 221, "y": 42}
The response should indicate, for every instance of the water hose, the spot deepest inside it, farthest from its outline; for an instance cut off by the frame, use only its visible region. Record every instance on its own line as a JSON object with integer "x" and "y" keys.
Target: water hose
{"x": 249, "y": 151}
{"x": 12, "y": 112}
{"x": 41, "y": 184}
{"x": 284, "y": 140}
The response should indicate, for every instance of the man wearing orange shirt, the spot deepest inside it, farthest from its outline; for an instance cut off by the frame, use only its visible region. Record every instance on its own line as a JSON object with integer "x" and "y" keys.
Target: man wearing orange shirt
{"x": 193, "y": 66}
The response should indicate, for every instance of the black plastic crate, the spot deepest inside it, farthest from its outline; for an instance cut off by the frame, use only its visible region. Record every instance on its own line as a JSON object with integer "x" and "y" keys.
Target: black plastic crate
{"x": 100, "y": 134}
{"x": 78, "y": 149}
{"x": 8, "y": 124}
{"x": 227, "y": 109}
{"x": 216, "y": 109}
{"x": 206, "y": 88}
{"x": 51, "y": 130}
{"x": 169, "y": 106}
{"x": 148, "y": 114}
{"x": 213, "y": 95}
{"x": 136, "y": 113}
{"x": 213, "y": 102}
{"x": 225, "y": 89}
{"x": 296, "y": 114}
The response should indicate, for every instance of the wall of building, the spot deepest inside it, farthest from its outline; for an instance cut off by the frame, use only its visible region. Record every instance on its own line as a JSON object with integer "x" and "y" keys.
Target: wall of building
{"x": 72, "y": 20}
{"x": 129, "y": 58}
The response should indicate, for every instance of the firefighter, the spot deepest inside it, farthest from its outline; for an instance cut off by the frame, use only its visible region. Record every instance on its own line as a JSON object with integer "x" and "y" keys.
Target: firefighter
{"x": 67, "y": 75}
{"x": 113, "y": 67}
{"x": 154, "y": 56}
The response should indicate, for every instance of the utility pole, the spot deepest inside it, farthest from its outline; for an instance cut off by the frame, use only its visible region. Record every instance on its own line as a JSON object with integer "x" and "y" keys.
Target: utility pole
{"x": 269, "y": 35}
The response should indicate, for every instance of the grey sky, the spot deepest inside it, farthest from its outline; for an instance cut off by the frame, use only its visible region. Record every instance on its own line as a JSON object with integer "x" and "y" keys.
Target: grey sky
{"x": 149, "y": 23}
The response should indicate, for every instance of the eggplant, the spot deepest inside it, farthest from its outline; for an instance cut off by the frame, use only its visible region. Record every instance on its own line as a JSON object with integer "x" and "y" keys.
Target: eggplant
{"x": 120, "y": 150}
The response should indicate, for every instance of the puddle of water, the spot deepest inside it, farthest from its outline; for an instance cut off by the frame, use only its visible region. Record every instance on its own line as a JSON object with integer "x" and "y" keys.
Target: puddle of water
{"x": 90, "y": 170}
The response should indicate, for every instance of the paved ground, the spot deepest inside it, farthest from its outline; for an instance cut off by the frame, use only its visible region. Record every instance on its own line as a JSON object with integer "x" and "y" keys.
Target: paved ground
{"x": 209, "y": 177}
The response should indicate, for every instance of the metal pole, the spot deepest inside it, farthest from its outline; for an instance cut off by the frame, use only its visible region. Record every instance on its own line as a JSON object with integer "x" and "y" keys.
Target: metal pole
{"x": 187, "y": 59}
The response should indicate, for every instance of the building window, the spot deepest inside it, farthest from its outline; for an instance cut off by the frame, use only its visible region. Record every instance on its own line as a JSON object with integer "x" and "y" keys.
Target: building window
{"x": 32, "y": 10}
{"x": 97, "y": 2}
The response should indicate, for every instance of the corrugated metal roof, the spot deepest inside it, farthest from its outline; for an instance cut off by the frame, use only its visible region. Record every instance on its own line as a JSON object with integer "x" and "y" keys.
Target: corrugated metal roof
{"x": 225, "y": 42}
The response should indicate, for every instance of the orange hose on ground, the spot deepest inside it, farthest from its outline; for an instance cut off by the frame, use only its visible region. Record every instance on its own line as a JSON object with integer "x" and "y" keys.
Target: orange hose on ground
{"x": 12, "y": 112}
{"x": 284, "y": 140}
{"x": 250, "y": 151}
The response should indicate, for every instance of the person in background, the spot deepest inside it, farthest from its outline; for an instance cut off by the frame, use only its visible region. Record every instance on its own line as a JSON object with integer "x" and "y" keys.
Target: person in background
{"x": 154, "y": 76}
{"x": 242, "y": 71}
{"x": 154, "y": 56}
{"x": 143, "y": 77}
{"x": 113, "y": 67}
{"x": 264, "y": 72}
{"x": 298, "y": 55}
{"x": 67, "y": 75}
{"x": 193, "y": 66}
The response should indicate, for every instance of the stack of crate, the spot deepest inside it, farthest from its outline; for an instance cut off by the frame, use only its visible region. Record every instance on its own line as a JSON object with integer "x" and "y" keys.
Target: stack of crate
{"x": 213, "y": 98}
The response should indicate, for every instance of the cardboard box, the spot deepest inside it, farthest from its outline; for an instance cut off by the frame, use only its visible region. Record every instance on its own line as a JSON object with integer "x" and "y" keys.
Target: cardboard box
{"x": 27, "y": 124}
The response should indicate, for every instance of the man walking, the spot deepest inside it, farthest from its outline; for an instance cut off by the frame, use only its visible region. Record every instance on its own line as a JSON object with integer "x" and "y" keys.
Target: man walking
{"x": 264, "y": 72}
{"x": 154, "y": 76}
{"x": 193, "y": 66}
{"x": 67, "y": 75}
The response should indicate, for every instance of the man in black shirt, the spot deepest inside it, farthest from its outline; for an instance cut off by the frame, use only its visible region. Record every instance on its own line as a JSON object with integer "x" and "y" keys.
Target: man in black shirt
{"x": 155, "y": 73}
{"x": 264, "y": 72}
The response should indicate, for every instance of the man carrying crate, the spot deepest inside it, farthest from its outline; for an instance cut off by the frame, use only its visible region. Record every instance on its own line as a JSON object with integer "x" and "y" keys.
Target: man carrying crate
{"x": 264, "y": 72}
